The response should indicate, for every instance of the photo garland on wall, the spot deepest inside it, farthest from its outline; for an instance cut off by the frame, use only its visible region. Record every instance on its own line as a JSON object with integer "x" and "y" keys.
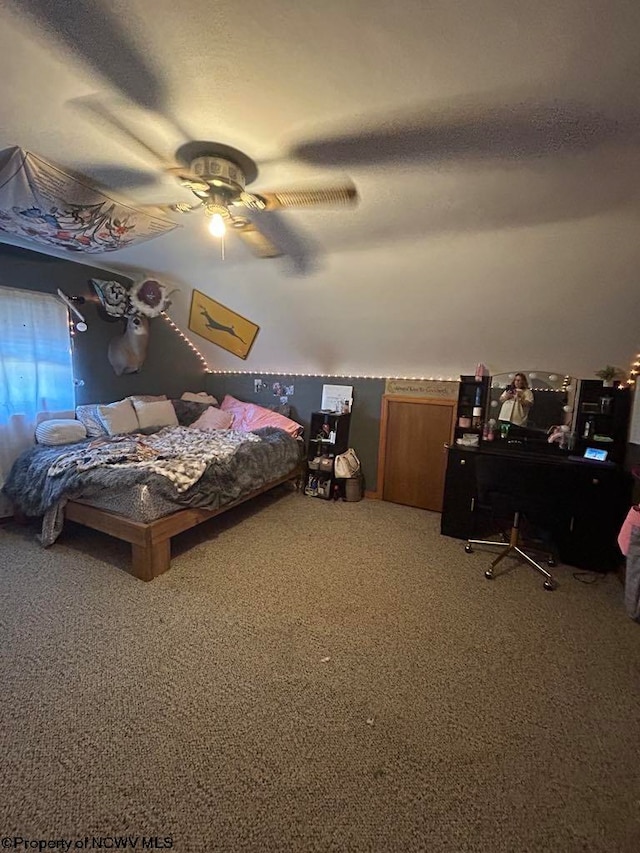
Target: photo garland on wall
{"x": 221, "y": 326}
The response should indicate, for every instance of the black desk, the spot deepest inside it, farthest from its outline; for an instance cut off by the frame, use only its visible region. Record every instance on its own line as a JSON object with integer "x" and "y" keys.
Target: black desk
{"x": 596, "y": 499}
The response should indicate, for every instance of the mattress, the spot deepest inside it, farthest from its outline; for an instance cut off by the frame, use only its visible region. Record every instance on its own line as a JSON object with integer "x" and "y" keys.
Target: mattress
{"x": 137, "y": 502}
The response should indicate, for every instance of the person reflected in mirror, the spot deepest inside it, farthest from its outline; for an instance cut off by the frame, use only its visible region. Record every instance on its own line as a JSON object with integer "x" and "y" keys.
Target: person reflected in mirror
{"x": 516, "y": 401}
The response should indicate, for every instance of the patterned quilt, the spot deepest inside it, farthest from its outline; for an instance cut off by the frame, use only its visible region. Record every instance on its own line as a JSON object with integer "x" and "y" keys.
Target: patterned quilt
{"x": 178, "y": 453}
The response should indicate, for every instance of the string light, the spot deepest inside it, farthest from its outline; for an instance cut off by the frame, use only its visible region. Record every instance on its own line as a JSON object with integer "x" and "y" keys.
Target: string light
{"x": 334, "y": 375}
{"x": 289, "y": 373}
{"x": 633, "y": 372}
{"x": 565, "y": 385}
{"x": 194, "y": 349}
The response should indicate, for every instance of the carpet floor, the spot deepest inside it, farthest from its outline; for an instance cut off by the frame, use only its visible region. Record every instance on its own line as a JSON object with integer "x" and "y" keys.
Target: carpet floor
{"x": 314, "y": 676}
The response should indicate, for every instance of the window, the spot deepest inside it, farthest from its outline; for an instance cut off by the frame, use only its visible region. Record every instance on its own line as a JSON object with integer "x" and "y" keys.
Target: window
{"x": 36, "y": 371}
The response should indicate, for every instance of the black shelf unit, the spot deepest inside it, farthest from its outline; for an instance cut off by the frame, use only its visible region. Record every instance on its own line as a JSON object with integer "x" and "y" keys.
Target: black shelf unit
{"x": 472, "y": 394}
{"x": 602, "y": 411}
{"x": 328, "y": 436}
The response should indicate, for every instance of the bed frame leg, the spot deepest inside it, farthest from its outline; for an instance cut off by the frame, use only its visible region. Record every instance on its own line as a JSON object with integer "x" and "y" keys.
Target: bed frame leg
{"x": 151, "y": 560}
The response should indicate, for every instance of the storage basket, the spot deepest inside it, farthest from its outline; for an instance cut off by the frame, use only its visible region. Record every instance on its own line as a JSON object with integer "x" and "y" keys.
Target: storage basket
{"x": 353, "y": 488}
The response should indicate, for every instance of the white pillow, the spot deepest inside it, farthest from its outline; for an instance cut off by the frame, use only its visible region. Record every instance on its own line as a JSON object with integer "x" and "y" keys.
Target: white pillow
{"x": 199, "y": 397}
{"x": 65, "y": 414}
{"x": 156, "y": 414}
{"x": 119, "y": 417}
{"x": 213, "y": 418}
{"x": 60, "y": 431}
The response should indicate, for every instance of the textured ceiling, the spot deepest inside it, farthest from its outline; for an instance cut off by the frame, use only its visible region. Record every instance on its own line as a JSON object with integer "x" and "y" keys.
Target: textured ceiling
{"x": 494, "y": 147}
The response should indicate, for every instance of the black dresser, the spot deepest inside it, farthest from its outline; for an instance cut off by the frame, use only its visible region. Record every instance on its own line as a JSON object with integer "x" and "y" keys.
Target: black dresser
{"x": 595, "y": 500}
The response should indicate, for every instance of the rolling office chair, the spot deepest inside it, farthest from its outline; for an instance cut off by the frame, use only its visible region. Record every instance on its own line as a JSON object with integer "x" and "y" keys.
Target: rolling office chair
{"x": 520, "y": 490}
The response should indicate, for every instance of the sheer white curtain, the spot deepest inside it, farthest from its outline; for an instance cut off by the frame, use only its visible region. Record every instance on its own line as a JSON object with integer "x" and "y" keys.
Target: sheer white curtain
{"x": 36, "y": 371}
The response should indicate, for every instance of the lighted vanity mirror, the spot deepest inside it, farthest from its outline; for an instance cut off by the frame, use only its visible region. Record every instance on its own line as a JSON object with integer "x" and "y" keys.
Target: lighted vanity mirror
{"x": 553, "y": 399}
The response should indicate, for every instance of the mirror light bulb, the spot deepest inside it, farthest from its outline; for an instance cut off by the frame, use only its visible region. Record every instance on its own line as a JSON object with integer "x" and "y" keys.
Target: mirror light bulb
{"x": 216, "y": 225}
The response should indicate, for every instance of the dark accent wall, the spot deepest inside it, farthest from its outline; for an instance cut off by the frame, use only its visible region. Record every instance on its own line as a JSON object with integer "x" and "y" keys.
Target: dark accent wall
{"x": 170, "y": 367}
{"x": 364, "y": 433}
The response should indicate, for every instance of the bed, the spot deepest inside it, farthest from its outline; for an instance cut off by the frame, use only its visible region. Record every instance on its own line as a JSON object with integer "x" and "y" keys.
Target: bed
{"x": 146, "y": 488}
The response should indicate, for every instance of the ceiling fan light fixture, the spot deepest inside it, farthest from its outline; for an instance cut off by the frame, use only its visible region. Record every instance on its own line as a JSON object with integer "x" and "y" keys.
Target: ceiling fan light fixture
{"x": 217, "y": 226}
{"x": 220, "y": 173}
{"x": 182, "y": 207}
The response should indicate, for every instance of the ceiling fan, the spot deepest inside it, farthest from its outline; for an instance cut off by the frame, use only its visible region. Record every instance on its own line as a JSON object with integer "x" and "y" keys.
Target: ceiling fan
{"x": 218, "y": 175}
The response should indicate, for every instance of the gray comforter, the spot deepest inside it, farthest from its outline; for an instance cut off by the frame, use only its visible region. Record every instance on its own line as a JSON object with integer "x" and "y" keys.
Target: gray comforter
{"x": 186, "y": 467}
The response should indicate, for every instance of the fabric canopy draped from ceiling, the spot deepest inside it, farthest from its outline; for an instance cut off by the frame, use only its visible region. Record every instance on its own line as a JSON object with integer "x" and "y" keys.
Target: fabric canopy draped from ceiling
{"x": 41, "y": 203}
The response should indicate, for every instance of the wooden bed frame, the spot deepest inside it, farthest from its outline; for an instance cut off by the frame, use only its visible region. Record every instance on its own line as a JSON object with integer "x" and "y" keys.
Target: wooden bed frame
{"x": 151, "y": 543}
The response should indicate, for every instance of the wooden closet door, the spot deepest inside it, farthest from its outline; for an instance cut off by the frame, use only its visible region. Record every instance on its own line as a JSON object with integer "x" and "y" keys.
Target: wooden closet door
{"x": 414, "y": 432}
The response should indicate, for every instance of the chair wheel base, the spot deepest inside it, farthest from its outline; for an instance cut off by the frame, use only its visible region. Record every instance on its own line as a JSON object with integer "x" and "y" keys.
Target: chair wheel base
{"x": 549, "y": 585}
{"x": 489, "y": 574}
{"x": 468, "y": 549}
{"x": 551, "y": 563}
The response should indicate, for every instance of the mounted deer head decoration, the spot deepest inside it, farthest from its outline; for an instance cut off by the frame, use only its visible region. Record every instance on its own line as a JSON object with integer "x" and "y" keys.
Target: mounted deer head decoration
{"x": 135, "y": 305}
{"x": 127, "y": 352}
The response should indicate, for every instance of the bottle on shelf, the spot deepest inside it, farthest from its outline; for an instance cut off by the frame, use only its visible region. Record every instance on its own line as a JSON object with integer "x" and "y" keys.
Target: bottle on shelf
{"x": 491, "y": 430}
{"x": 470, "y": 413}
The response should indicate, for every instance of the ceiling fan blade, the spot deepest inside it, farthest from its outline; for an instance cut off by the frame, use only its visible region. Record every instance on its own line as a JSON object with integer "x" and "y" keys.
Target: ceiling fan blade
{"x": 255, "y": 240}
{"x": 171, "y": 207}
{"x": 345, "y": 194}
{"x": 113, "y": 178}
{"x": 97, "y": 109}
{"x": 81, "y": 26}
